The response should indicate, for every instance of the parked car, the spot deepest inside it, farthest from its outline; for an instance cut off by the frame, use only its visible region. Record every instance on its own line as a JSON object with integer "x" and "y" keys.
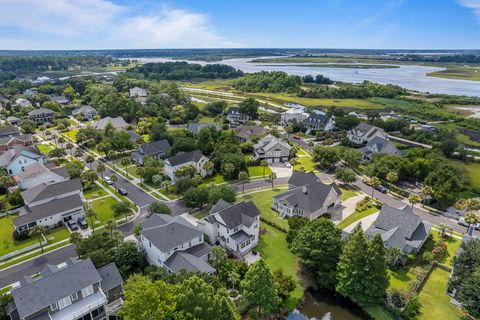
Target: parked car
{"x": 82, "y": 223}
{"x": 72, "y": 225}
{"x": 122, "y": 191}
{"x": 381, "y": 189}
{"x": 107, "y": 180}
{"x": 461, "y": 221}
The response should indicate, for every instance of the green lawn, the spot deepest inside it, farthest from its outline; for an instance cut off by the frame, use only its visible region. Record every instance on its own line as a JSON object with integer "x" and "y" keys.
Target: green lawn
{"x": 217, "y": 178}
{"x": 347, "y": 193}
{"x": 435, "y": 302}
{"x": 103, "y": 209}
{"x": 146, "y": 137}
{"x": 207, "y": 120}
{"x": 306, "y": 162}
{"x": 202, "y": 213}
{"x": 256, "y": 171}
{"x": 132, "y": 171}
{"x": 94, "y": 192}
{"x": 263, "y": 200}
{"x": 473, "y": 170}
{"x": 273, "y": 249}
{"x": 357, "y": 215}
{"x": 44, "y": 148}
{"x": 72, "y": 134}
{"x": 379, "y": 313}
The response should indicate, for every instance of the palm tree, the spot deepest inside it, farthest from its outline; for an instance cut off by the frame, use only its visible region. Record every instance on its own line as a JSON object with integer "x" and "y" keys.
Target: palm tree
{"x": 229, "y": 168}
{"x": 125, "y": 163}
{"x": 90, "y": 159}
{"x": 69, "y": 147}
{"x": 111, "y": 155}
{"x": 208, "y": 166}
{"x": 374, "y": 183}
{"x": 444, "y": 229}
{"x": 90, "y": 214}
{"x": 392, "y": 177}
{"x": 78, "y": 153}
{"x": 273, "y": 176}
{"x": 157, "y": 180}
{"x": 243, "y": 177}
{"x": 264, "y": 165}
{"x": 61, "y": 141}
{"x": 414, "y": 199}
{"x": 38, "y": 231}
{"x": 42, "y": 128}
{"x": 100, "y": 169}
{"x": 233, "y": 279}
{"x": 111, "y": 225}
{"x": 426, "y": 191}
{"x": 141, "y": 174}
{"x": 114, "y": 179}
{"x": 75, "y": 238}
{"x": 120, "y": 208}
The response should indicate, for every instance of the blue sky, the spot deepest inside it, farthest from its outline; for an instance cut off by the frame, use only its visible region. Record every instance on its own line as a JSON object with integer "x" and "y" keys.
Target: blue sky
{"x": 110, "y": 24}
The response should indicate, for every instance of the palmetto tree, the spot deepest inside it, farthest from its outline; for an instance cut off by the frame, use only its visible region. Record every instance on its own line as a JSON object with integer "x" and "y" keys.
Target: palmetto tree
{"x": 78, "y": 153}
{"x": 114, "y": 179}
{"x": 243, "y": 177}
{"x": 111, "y": 225}
{"x": 75, "y": 238}
{"x": 61, "y": 141}
{"x": 374, "y": 183}
{"x": 426, "y": 191}
{"x": 414, "y": 199}
{"x": 89, "y": 159}
{"x": 264, "y": 165}
{"x": 229, "y": 168}
{"x": 273, "y": 176}
{"x": 125, "y": 163}
{"x": 101, "y": 169}
{"x": 38, "y": 231}
{"x": 69, "y": 147}
{"x": 90, "y": 214}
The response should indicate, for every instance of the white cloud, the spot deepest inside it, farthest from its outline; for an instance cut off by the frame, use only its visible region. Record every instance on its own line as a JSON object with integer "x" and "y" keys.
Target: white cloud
{"x": 98, "y": 24}
{"x": 474, "y": 5}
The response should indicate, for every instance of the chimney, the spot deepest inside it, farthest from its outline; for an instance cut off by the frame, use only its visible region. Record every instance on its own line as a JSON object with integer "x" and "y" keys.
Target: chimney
{"x": 304, "y": 189}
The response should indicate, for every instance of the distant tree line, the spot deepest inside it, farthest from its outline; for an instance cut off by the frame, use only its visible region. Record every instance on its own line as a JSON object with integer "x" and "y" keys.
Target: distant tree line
{"x": 319, "y": 79}
{"x": 364, "y": 90}
{"x": 183, "y": 71}
{"x": 265, "y": 81}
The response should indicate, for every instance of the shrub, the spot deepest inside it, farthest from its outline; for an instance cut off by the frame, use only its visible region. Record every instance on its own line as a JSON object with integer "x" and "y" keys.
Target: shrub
{"x": 364, "y": 204}
{"x": 440, "y": 250}
{"x": 397, "y": 298}
{"x": 428, "y": 257}
{"x": 19, "y": 236}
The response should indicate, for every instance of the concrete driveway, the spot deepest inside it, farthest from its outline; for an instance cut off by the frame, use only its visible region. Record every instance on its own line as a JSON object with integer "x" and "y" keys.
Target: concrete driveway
{"x": 281, "y": 170}
{"x": 366, "y": 222}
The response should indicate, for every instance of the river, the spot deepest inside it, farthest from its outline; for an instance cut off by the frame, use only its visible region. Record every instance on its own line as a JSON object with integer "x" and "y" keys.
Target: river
{"x": 412, "y": 77}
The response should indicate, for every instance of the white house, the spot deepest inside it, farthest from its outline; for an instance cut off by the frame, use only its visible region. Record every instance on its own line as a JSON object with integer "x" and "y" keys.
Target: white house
{"x": 293, "y": 115}
{"x": 50, "y": 204}
{"x": 22, "y": 103}
{"x": 137, "y": 92}
{"x": 175, "y": 244}
{"x": 365, "y": 132}
{"x": 182, "y": 159}
{"x": 234, "y": 226}
{"x": 16, "y": 159}
{"x": 86, "y": 112}
{"x": 271, "y": 149}
{"x": 234, "y": 116}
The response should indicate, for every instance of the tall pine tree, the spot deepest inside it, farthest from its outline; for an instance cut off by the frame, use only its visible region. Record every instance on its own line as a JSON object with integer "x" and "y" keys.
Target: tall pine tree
{"x": 378, "y": 276}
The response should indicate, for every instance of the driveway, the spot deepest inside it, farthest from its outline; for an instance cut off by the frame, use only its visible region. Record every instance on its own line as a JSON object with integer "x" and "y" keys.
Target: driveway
{"x": 281, "y": 170}
{"x": 346, "y": 208}
{"x": 366, "y": 222}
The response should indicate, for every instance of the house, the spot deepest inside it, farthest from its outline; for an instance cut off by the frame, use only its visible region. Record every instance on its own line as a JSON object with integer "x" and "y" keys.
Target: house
{"x": 379, "y": 145}
{"x": 50, "y": 204}
{"x": 157, "y": 150}
{"x": 233, "y": 226}
{"x": 293, "y": 115}
{"x": 271, "y": 149}
{"x": 86, "y": 112}
{"x": 400, "y": 228}
{"x": 13, "y": 120}
{"x": 134, "y": 137}
{"x": 196, "y": 127}
{"x": 299, "y": 178}
{"x": 245, "y": 133}
{"x": 365, "y": 132}
{"x": 16, "y": 159}
{"x": 30, "y": 93}
{"x": 137, "y": 92}
{"x": 22, "y": 103}
{"x": 37, "y": 174}
{"x": 142, "y": 100}
{"x": 175, "y": 244}
{"x": 319, "y": 121}
{"x": 10, "y": 136}
{"x": 182, "y": 159}
{"x": 310, "y": 200}
{"x": 60, "y": 100}
{"x": 234, "y": 116}
{"x": 72, "y": 290}
{"x": 118, "y": 123}
{"x": 41, "y": 115}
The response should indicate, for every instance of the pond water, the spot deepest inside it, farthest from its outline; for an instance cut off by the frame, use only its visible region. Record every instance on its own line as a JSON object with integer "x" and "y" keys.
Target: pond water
{"x": 327, "y": 306}
{"x": 408, "y": 76}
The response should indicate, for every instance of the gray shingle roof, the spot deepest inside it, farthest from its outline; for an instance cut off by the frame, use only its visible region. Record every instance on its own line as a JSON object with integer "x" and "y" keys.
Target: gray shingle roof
{"x": 84, "y": 109}
{"x": 185, "y": 261}
{"x": 46, "y": 190}
{"x": 317, "y": 118}
{"x": 184, "y": 157}
{"x": 40, "y": 111}
{"x": 110, "y": 275}
{"x": 9, "y": 155}
{"x": 199, "y": 250}
{"x": 246, "y": 132}
{"x": 59, "y": 99}
{"x": 242, "y": 213}
{"x": 168, "y": 233}
{"x": 44, "y": 291}
{"x": 240, "y": 236}
{"x": 299, "y": 178}
{"x": 155, "y": 147}
{"x": 9, "y": 131}
{"x": 196, "y": 127}
{"x": 117, "y": 123}
{"x": 381, "y": 146}
{"x": 267, "y": 142}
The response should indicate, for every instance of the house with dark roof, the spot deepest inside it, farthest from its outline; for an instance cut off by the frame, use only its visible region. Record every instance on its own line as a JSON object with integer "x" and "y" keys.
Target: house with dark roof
{"x": 175, "y": 244}
{"x": 245, "y": 133}
{"x": 118, "y": 123}
{"x": 41, "y": 115}
{"x": 86, "y": 112}
{"x": 10, "y": 136}
{"x": 13, "y": 120}
{"x": 196, "y": 127}
{"x": 50, "y": 204}
{"x": 365, "y": 132}
{"x": 134, "y": 137}
{"x": 379, "y": 145}
{"x": 15, "y": 160}
{"x": 271, "y": 149}
{"x": 319, "y": 121}
{"x": 193, "y": 158}
{"x": 235, "y": 118}
{"x": 157, "y": 150}
{"x": 37, "y": 174}
{"x": 400, "y": 228}
{"x": 60, "y": 100}
{"x": 310, "y": 199}
{"x": 233, "y": 226}
{"x": 72, "y": 290}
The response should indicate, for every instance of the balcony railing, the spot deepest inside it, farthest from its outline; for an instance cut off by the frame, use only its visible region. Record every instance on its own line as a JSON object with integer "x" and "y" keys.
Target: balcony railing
{"x": 81, "y": 307}
{"x": 113, "y": 307}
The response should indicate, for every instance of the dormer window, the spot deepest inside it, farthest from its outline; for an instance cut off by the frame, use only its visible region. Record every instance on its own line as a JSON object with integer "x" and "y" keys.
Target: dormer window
{"x": 65, "y": 302}
{"x": 87, "y": 291}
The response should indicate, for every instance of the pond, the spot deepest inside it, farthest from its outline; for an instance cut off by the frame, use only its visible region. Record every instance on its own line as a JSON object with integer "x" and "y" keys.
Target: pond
{"x": 327, "y": 306}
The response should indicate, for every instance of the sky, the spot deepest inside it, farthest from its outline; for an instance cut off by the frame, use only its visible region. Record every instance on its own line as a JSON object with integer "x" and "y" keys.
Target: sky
{"x": 151, "y": 24}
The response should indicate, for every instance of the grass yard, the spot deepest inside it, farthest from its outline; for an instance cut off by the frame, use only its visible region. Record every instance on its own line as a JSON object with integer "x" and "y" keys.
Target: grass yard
{"x": 132, "y": 171}
{"x": 202, "y": 213}
{"x": 94, "y": 192}
{"x": 306, "y": 163}
{"x": 219, "y": 85}
{"x": 379, "y": 313}
{"x": 44, "y": 148}
{"x": 435, "y": 302}
{"x": 210, "y": 120}
{"x": 257, "y": 171}
{"x": 263, "y": 200}
{"x": 72, "y": 134}
{"x": 273, "y": 249}
{"x": 347, "y": 193}
{"x": 357, "y": 215}
{"x": 473, "y": 171}
{"x": 217, "y": 178}
{"x": 103, "y": 208}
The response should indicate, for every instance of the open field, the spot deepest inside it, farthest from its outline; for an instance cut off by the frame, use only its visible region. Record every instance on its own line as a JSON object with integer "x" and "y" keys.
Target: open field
{"x": 103, "y": 209}
{"x": 219, "y": 85}
{"x": 473, "y": 171}
{"x": 460, "y": 72}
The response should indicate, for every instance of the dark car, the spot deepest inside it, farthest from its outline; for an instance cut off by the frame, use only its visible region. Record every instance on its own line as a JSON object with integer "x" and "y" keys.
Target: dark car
{"x": 122, "y": 191}
{"x": 381, "y": 189}
{"x": 72, "y": 225}
{"x": 82, "y": 223}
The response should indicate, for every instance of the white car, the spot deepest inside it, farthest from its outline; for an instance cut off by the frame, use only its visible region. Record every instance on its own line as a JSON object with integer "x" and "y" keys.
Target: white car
{"x": 461, "y": 221}
{"x": 108, "y": 180}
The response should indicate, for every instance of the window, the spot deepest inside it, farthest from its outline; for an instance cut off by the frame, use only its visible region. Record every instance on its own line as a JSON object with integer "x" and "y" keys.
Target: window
{"x": 65, "y": 302}
{"x": 74, "y": 296}
{"x": 87, "y": 291}
{"x": 54, "y": 306}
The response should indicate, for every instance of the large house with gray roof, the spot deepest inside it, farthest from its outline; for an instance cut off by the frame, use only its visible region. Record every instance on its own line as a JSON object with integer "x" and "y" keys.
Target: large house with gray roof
{"x": 37, "y": 174}
{"x": 307, "y": 197}
{"x": 86, "y": 112}
{"x": 234, "y": 226}
{"x": 379, "y": 145}
{"x": 73, "y": 290}
{"x": 50, "y": 204}
{"x": 319, "y": 121}
{"x": 193, "y": 158}
{"x": 15, "y": 160}
{"x": 271, "y": 149}
{"x": 60, "y": 100}
{"x": 194, "y": 127}
{"x": 246, "y": 133}
{"x": 365, "y": 132}
{"x": 157, "y": 150}
{"x": 400, "y": 228}
{"x": 42, "y": 115}
{"x": 10, "y": 136}
{"x": 118, "y": 123}
{"x": 175, "y": 244}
